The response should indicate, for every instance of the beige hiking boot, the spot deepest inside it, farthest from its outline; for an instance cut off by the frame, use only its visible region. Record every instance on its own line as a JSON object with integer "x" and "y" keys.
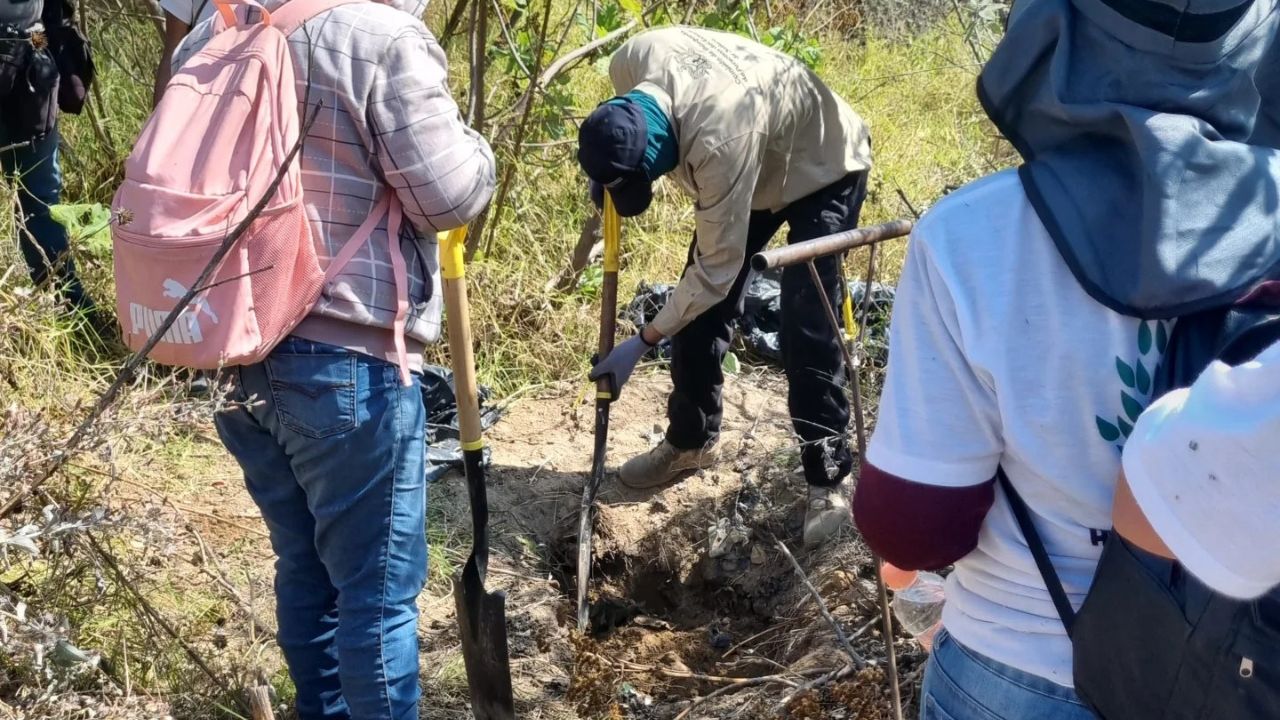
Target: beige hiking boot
{"x": 828, "y": 512}
{"x": 664, "y": 464}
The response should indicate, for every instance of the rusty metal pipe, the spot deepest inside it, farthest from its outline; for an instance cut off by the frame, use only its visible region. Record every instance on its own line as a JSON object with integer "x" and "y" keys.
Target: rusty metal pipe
{"x": 829, "y": 245}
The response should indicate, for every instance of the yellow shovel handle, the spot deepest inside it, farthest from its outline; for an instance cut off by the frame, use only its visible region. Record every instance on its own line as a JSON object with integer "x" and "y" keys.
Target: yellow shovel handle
{"x": 461, "y": 353}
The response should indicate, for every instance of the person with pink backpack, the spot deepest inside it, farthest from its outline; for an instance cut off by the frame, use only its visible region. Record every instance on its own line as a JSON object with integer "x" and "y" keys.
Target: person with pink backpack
{"x": 319, "y": 313}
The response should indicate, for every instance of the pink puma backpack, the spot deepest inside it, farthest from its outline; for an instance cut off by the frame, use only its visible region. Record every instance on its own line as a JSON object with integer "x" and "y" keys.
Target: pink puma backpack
{"x": 218, "y": 139}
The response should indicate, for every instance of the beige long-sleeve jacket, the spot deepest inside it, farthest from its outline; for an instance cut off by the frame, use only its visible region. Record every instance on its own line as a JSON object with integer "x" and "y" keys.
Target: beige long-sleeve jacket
{"x": 757, "y": 130}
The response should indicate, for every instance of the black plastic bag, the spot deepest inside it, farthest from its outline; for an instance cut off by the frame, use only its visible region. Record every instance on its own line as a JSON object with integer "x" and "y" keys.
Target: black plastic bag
{"x": 444, "y": 453}
{"x": 761, "y": 321}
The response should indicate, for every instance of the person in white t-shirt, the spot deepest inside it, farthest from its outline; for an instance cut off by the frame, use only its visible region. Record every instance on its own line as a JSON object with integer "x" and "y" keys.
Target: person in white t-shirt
{"x": 1216, "y": 442}
{"x": 179, "y": 17}
{"x": 1036, "y": 304}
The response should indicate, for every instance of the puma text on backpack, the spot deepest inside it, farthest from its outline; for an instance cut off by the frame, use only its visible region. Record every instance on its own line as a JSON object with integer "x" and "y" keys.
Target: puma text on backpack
{"x": 1151, "y": 641}
{"x": 221, "y": 134}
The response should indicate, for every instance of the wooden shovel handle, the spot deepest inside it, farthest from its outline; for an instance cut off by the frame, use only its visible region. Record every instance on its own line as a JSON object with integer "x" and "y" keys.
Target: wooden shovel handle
{"x": 461, "y": 353}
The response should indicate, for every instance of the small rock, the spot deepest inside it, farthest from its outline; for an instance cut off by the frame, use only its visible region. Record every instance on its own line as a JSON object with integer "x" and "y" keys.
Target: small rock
{"x": 757, "y": 555}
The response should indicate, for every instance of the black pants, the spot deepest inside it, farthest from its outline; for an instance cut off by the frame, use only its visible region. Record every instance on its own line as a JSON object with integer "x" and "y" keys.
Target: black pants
{"x": 810, "y": 350}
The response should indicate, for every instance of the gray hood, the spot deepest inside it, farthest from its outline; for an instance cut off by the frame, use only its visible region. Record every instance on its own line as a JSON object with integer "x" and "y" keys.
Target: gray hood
{"x": 1149, "y": 132}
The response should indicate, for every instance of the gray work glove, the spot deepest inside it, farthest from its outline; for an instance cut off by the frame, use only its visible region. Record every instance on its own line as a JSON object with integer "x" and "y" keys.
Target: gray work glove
{"x": 620, "y": 363}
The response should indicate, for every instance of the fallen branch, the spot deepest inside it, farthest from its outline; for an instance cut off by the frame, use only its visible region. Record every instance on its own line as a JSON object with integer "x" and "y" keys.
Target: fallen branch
{"x": 740, "y": 685}
{"x": 857, "y": 659}
{"x": 135, "y": 360}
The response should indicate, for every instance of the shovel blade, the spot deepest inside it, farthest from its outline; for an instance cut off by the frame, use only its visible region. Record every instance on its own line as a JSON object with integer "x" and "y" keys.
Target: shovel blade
{"x": 482, "y": 621}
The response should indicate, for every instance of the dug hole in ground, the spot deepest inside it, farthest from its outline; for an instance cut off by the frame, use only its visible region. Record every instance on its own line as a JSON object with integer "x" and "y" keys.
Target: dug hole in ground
{"x": 690, "y": 594}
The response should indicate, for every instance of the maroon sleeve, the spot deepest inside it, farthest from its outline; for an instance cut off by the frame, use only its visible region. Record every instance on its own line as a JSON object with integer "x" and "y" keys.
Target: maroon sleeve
{"x": 916, "y": 526}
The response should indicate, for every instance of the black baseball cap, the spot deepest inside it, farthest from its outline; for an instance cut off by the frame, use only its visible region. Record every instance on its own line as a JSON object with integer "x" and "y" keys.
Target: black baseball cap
{"x": 611, "y": 144}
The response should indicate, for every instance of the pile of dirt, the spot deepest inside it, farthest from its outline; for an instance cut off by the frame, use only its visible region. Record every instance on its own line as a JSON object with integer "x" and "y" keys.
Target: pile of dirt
{"x": 689, "y": 591}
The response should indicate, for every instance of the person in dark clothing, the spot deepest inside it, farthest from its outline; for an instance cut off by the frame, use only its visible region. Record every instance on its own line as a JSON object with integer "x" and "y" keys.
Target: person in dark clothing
{"x": 29, "y": 158}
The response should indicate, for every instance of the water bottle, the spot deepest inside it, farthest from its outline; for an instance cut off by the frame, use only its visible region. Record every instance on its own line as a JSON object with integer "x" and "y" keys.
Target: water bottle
{"x": 917, "y": 601}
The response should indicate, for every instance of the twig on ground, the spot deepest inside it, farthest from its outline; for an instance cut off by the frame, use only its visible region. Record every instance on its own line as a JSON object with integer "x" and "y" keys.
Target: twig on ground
{"x": 758, "y": 635}
{"x": 817, "y": 682}
{"x": 857, "y": 659}
{"x": 627, "y": 666}
{"x": 740, "y": 685}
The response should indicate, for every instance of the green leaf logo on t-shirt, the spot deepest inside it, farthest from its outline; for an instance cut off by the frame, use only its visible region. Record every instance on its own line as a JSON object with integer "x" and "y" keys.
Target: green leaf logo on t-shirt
{"x": 1136, "y": 377}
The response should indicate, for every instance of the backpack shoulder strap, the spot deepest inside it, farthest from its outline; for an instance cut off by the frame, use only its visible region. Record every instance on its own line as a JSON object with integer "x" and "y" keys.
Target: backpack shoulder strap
{"x": 1038, "y": 551}
{"x": 291, "y": 16}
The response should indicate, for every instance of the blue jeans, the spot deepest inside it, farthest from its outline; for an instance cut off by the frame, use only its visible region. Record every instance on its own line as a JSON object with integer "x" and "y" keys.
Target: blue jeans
{"x": 960, "y": 684}
{"x": 332, "y": 447}
{"x": 35, "y": 172}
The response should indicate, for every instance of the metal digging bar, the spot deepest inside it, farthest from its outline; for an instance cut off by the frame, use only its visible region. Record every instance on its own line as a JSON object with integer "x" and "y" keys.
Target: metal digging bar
{"x": 806, "y": 252}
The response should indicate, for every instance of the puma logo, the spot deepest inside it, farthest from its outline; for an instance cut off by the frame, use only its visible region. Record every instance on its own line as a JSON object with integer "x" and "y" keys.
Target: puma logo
{"x": 185, "y": 330}
{"x": 174, "y": 289}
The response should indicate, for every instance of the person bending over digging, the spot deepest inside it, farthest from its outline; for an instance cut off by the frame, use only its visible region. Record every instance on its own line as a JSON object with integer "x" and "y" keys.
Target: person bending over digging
{"x": 758, "y": 140}
{"x": 331, "y": 441}
{"x": 1036, "y": 303}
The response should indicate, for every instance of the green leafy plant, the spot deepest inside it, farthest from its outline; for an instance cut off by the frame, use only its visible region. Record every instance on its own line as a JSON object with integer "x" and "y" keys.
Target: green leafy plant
{"x": 788, "y": 39}
{"x": 88, "y": 226}
{"x": 590, "y": 282}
